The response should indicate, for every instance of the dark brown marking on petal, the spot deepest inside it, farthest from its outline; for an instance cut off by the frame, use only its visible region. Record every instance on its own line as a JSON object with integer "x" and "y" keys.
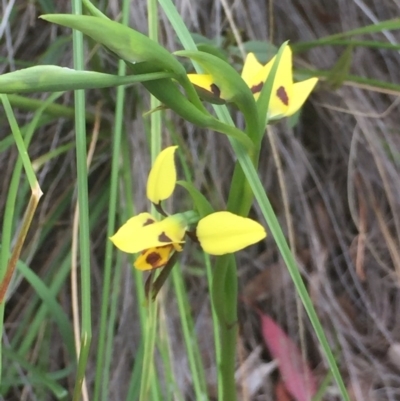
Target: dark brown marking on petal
{"x": 215, "y": 90}
{"x": 148, "y": 221}
{"x": 152, "y": 258}
{"x": 257, "y": 88}
{"x": 282, "y": 95}
{"x": 164, "y": 237}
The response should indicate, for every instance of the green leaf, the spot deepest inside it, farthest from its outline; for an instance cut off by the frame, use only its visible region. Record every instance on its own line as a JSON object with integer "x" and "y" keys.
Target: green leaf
{"x": 201, "y": 204}
{"x": 212, "y": 49}
{"x": 229, "y": 82}
{"x": 126, "y": 43}
{"x": 51, "y": 78}
{"x": 341, "y": 69}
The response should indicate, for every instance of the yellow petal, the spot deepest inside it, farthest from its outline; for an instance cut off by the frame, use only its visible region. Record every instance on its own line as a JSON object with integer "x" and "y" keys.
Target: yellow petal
{"x": 282, "y": 90}
{"x": 251, "y": 68}
{"x": 125, "y": 237}
{"x": 224, "y": 232}
{"x": 154, "y": 258}
{"x": 204, "y": 81}
{"x": 136, "y": 236}
{"x": 162, "y": 176}
{"x": 301, "y": 91}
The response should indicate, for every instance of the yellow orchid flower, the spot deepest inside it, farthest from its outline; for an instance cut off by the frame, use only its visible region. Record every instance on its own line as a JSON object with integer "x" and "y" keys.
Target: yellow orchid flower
{"x": 156, "y": 240}
{"x": 286, "y": 97}
{"x": 218, "y": 233}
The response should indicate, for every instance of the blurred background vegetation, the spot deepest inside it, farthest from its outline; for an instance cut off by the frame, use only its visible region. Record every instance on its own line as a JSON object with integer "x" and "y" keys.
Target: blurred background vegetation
{"x": 340, "y": 162}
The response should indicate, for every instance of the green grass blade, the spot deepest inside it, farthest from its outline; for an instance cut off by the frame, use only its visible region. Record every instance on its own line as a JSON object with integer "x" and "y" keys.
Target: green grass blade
{"x": 379, "y": 27}
{"x": 59, "y": 392}
{"x": 189, "y": 335}
{"x": 51, "y": 78}
{"x": 83, "y": 204}
{"x": 51, "y": 304}
{"x": 105, "y": 347}
{"x": 20, "y": 143}
{"x": 373, "y": 44}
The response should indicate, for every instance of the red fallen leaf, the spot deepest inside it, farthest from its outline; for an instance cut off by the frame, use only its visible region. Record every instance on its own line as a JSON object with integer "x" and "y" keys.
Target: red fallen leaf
{"x": 281, "y": 394}
{"x": 297, "y": 376}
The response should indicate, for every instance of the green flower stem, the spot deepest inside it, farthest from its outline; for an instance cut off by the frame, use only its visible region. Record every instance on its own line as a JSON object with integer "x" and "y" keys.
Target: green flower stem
{"x": 217, "y": 339}
{"x": 224, "y": 290}
{"x": 224, "y": 299}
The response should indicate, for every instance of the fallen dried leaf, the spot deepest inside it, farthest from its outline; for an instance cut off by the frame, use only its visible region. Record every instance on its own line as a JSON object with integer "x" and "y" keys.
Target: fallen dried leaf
{"x": 297, "y": 376}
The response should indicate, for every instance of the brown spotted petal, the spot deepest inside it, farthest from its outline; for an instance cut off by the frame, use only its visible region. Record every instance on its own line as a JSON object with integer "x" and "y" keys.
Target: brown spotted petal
{"x": 154, "y": 258}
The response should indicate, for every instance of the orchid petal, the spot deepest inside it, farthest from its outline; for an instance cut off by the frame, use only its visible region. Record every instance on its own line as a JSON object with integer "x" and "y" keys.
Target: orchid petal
{"x": 124, "y": 238}
{"x": 224, "y": 232}
{"x": 136, "y": 236}
{"x": 301, "y": 91}
{"x": 204, "y": 81}
{"x": 251, "y": 68}
{"x": 154, "y": 258}
{"x": 282, "y": 89}
{"x": 162, "y": 177}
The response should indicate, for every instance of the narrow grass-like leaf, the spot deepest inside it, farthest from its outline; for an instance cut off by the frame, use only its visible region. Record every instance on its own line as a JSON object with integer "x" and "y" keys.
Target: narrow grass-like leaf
{"x": 373, "y": 44}
{"x": 362, "y": 82}
{"x": 56, "y": 110}
{"x": 51, "y": 78}
{"x": 51, "y": 304}
{"x": 379, "y": 27}
{"x": 83, "y": 204}
{"x": 189, "y": 334}
{"x": 13, "y": 189}
{"x": 105, "y": 343}
{"x": 59, "y": 392}
{"x": 340, "y": 70}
